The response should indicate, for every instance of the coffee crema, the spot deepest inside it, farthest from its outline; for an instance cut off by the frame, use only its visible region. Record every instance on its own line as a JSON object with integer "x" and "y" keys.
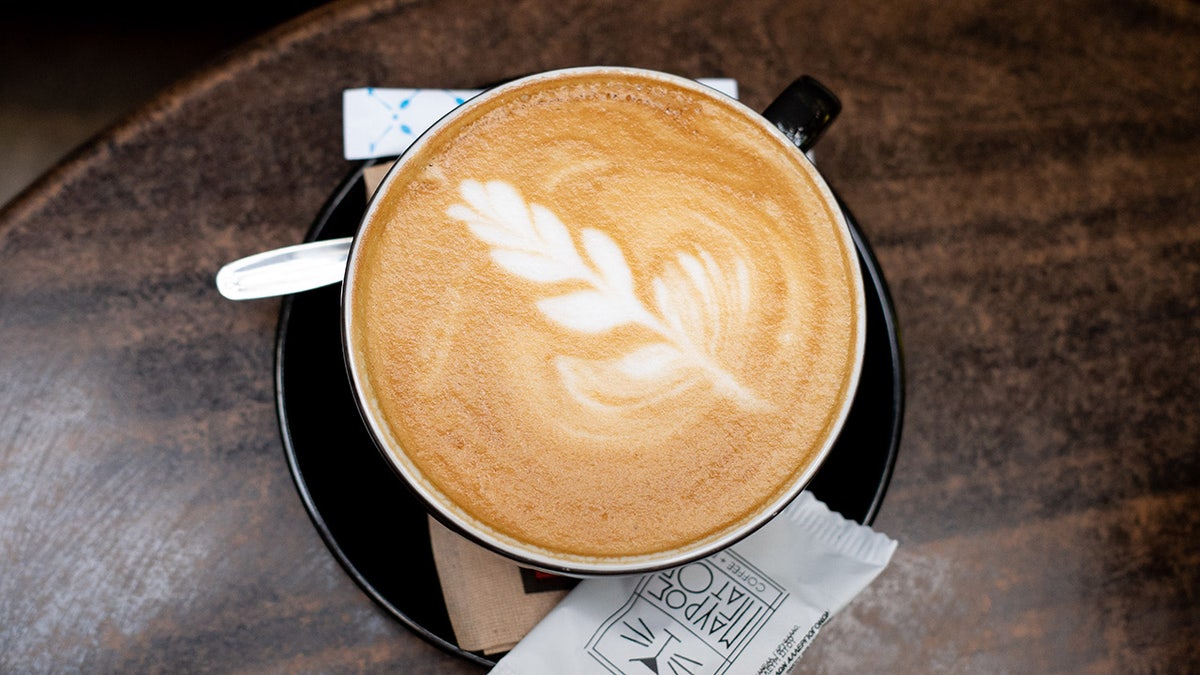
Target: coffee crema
{"x": 604, "y": 315}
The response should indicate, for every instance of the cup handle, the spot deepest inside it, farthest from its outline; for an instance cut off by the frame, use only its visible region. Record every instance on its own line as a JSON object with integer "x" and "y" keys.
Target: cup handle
{"x": 804, "y": 111}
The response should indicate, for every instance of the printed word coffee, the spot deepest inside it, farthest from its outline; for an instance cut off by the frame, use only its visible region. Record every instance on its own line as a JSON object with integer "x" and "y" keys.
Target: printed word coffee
{"x": 605, "y": 315}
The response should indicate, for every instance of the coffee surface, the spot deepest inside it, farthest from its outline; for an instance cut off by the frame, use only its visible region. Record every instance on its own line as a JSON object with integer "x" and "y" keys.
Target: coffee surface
{"x": 605, "y": 315}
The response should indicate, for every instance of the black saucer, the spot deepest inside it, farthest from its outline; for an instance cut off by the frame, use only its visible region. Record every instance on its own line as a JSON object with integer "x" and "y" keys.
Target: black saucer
{"x": 378, "y": 531}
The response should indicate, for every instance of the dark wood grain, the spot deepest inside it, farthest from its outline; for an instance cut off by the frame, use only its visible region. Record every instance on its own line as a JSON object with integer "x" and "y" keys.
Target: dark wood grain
{"x": 1028, "y": 173}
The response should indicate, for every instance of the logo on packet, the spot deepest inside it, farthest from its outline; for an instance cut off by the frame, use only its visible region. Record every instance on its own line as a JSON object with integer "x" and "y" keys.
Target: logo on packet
{"x": 693, "y": 619}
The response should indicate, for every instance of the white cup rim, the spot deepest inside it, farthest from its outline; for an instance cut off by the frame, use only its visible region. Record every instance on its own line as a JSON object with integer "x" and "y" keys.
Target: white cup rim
{"x": 529, "y": 555}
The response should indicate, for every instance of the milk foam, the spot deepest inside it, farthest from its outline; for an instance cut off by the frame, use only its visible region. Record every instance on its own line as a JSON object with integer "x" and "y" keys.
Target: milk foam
{"x": 605, "y": 316}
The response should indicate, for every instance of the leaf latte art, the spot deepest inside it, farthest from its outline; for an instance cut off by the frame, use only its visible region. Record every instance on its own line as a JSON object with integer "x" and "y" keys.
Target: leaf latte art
{"x": 693, "y": 297}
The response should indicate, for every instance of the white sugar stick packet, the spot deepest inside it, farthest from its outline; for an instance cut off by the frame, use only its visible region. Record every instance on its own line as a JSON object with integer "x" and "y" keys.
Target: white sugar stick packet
{"x": 379, "y": 122}
{"x": 753, "y": 608}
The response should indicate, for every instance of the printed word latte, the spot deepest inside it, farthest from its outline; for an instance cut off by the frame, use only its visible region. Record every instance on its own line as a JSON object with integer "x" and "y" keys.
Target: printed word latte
{"x": 604, "y": 315}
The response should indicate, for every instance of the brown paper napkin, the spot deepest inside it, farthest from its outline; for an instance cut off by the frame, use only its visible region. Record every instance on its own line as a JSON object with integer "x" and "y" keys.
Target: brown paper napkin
{"x": 492, "y": 601}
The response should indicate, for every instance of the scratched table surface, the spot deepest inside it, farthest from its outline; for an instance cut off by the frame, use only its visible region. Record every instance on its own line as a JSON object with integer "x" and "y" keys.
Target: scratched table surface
{"x": 1029, "y": 176}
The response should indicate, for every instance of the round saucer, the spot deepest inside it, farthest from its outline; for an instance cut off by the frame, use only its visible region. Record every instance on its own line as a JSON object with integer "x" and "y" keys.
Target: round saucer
{"x": 346, "y": 485}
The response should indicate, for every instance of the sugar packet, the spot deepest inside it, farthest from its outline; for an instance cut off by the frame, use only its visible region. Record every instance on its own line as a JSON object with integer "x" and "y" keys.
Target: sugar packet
{"x": 383, "y": 122}
{"x": 752, "y": 608}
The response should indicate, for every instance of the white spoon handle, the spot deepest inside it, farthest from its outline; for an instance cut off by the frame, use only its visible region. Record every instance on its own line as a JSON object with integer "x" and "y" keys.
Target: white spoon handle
{"x": 285, "y": 270}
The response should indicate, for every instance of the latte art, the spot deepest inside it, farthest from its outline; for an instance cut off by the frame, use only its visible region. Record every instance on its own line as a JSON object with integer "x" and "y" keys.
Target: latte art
{"x": 603, "y": 316}
{"x": 692, "y": 298}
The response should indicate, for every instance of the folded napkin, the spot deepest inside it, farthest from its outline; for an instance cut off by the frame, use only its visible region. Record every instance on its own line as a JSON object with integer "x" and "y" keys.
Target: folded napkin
{"x": 492, "y": 602}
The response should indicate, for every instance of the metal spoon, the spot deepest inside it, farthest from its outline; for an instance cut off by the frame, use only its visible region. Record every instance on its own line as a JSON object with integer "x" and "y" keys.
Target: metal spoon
{"x": 281, "y": 271}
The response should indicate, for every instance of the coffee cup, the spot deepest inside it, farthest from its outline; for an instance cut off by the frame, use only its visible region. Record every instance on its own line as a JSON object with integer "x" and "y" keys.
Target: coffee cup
{"x": 606, "y": 320}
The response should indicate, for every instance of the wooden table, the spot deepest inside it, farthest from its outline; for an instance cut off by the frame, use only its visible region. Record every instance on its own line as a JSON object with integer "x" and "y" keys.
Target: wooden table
{"x": 1028, "y": 173}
